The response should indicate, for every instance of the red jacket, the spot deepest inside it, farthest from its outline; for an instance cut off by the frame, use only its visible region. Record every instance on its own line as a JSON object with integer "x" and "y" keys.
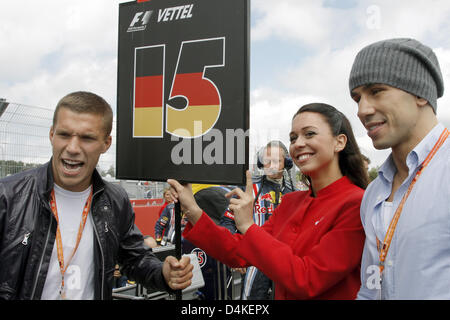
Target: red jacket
{"x": 311, "y": 247}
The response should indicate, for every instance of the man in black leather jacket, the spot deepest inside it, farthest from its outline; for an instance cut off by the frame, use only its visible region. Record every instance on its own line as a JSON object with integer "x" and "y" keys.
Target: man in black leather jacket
{"x": 29, "y": 226}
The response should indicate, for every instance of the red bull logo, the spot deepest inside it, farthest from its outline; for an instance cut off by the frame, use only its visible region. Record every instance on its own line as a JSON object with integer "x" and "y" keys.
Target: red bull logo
{"x": 268, "y": 197}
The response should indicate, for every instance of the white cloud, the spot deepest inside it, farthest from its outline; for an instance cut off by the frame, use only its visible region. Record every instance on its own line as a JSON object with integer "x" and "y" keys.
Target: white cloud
{"x": 50, "y": 48}
{"x": 416, "y": 18}
{"x": 286, "y": 19}
{"x": 46, "y": 88}
{"x": 307, "y": 22}
{"x": 271, "y": 115}
{"x": 443, "y": 111}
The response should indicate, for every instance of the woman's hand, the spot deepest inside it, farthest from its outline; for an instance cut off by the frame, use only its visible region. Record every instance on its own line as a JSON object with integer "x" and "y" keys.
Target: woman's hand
{"x": 183, "y": 193}
{"x": 241, "y": 203}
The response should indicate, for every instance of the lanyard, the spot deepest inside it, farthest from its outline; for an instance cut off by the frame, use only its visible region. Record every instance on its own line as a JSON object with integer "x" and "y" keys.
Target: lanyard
{"x": 59, "y": 245}
{"x": 384, "y": 247}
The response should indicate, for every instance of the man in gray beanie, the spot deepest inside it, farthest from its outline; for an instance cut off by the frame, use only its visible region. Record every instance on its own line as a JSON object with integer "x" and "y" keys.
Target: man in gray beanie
{"x": 405, "y": 210}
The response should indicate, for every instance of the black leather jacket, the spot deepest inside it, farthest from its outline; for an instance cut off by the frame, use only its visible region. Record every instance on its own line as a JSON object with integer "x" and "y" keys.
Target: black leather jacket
{"x": 28, "y": 228}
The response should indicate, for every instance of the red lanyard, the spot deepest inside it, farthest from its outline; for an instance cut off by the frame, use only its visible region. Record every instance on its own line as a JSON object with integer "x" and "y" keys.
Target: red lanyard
{"x": 390, "y": 232}
{"x": 59, "y": 245}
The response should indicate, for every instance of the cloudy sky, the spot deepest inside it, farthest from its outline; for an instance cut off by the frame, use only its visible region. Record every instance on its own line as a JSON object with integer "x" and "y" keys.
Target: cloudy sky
{"x": 301, "y": 52}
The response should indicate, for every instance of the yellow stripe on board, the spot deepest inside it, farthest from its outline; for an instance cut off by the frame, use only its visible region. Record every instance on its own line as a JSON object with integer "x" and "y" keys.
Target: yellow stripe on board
{"x": 193, "y": 121}
{"x": 148, "y": 122}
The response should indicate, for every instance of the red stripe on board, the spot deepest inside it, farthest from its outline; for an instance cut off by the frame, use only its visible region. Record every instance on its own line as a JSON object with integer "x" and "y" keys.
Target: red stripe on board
{"x": 148, "y": 92}
{"x": 200, "y": 92}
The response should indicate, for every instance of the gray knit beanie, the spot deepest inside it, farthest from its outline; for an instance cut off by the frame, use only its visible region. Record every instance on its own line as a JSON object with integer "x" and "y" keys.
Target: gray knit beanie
{"x": 403, "y": 63}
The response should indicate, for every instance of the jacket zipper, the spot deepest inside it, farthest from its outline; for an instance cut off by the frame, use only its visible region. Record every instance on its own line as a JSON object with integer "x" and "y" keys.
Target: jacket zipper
{"x": 100, "y": 245}
{"x": 22, "y": 239}
{"x": 42, "y": 256}
{"x": 25, "y": 238}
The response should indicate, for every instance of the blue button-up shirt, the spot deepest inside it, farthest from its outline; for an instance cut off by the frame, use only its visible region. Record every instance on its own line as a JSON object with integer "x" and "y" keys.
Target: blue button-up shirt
{"x": 417, "y": 265}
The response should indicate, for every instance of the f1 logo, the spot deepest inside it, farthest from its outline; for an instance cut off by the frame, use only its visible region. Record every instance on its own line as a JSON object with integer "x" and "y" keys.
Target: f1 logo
{"x": 140, "y": 21}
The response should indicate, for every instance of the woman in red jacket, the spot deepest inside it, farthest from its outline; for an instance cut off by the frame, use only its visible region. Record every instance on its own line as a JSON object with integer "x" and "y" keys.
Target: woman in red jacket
{"x": 312, "y": 245}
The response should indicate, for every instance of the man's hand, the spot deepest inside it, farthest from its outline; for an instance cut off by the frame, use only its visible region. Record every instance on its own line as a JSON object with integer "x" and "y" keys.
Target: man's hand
{"x": 178, "y": 274}
{"x": 241, "y": 203}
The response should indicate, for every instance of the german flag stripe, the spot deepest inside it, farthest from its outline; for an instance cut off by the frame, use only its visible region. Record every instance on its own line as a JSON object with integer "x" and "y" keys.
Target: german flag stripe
{"x": 199, "y": 91}
{"x": 148, "y": 122}
{"x": 193, "y": 121}
{"x": 148, "y": 92}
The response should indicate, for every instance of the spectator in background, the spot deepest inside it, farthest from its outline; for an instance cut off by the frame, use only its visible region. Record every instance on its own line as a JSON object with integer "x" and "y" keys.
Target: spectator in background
{"x": 165, "y": 222}
{"x": 165, "y": 226}
{"x": 167, "y": 199}
{"x": 366, "y": 162}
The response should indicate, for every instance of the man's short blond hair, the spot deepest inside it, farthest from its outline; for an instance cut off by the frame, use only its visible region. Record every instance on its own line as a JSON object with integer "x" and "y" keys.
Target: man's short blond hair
{"x": 86, "y": 102}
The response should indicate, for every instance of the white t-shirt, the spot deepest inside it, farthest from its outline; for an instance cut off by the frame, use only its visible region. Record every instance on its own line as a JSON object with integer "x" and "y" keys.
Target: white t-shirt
{"x": 79, "y": 276}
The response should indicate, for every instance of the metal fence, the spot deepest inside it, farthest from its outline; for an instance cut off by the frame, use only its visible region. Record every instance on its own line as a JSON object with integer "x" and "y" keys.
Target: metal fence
{"x": 23, "y": 137}
{"x": 24, "y": 144}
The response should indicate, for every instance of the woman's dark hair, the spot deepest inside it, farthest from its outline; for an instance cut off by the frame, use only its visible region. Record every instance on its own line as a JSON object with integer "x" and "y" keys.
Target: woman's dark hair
{"x": 350, "y": 158}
